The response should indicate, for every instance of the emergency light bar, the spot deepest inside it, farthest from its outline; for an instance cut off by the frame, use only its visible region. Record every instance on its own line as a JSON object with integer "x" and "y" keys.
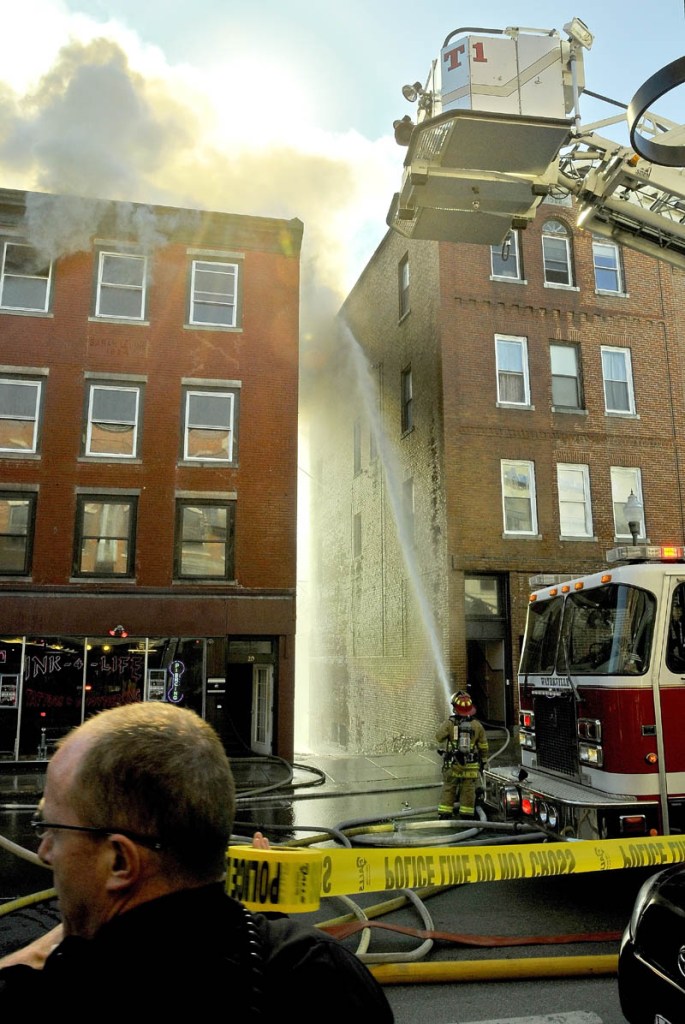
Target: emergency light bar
{"x": 646, "y": 553}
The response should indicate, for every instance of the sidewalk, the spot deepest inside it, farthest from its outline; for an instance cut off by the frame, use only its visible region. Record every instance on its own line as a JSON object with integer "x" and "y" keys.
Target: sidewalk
{"x": 322, "y": 776}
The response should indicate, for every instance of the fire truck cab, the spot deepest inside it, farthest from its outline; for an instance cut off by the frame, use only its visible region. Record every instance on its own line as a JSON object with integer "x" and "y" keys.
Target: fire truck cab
{"x": 601, "y": 689}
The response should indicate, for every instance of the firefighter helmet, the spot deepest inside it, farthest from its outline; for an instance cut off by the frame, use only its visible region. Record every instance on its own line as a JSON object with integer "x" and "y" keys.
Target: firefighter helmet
{"x": 462, "y": 704}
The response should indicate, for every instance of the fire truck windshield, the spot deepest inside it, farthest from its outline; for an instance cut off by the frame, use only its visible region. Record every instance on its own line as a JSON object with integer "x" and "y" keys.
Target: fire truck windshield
{"x": 604, "y": 631}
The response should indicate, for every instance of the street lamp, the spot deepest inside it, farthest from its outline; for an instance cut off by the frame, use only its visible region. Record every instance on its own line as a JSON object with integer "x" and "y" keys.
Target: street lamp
{"x": 633, "y": 513}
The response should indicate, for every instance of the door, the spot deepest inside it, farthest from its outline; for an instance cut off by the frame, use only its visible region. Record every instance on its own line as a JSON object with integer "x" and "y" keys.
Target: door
{"x": 262, "y": 708}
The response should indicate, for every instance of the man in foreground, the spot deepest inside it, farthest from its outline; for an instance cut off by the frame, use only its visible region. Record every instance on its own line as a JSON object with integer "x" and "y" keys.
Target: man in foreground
{"x": 135, "y": 821}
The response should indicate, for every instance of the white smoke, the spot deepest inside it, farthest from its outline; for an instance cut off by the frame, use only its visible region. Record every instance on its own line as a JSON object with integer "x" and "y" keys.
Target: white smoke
{"x": 101, "y": 123}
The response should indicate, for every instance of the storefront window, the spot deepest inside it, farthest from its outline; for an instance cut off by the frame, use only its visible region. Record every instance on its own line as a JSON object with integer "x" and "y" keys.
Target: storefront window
{"x": 52, "y": 692}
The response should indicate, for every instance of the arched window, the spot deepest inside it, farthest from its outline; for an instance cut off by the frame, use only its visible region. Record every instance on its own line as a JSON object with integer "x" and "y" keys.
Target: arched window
{"x": 556, "y": 253}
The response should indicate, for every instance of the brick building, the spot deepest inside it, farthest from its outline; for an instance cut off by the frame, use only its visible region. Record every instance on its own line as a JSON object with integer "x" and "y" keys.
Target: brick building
{"x": 148, "y": 466}
{"x": 500, "y": 405}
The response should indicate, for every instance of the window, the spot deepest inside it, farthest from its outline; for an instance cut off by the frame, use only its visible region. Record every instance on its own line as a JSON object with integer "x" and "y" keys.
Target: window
{"x": 356, "y": 535}
{"x": 408, "y": 507}
{"x": 204, "y": 539}
{"x": 209, "y": 420}
{"x": 403, "y": 274}
{"x": 618, "y": 380}
{"x": 121, "y": 286}
{"x": 504, "y": 258}
{"x": 19, "y": 414}
{"x": 484, "y": 597}
{"x": 24, "y": 278}
{"x": 512, "y": 370}
{"x": 357, "y": 447}
{"x": 105, "y": 535}
{"x": 624, "y": 482}
{"x": 17, "y": 514}
{"x": 556, "y": 253}
{"x": 607, "y": 264}
{"x": 518, "y": 497}
{"x": 575, "y": 514}
{"x": 213, "y": 293}
{"x": 406, "y": 398}
{"x": 112, "y": 421}
{"x": 566, "y": 382}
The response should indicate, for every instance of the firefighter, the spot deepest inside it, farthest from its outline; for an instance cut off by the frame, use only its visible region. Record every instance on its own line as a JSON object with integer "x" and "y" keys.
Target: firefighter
{"x": 464, "y": 752}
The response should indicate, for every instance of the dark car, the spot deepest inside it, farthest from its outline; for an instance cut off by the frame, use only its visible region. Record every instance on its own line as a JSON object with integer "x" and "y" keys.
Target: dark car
{"x": 651, "y": 964}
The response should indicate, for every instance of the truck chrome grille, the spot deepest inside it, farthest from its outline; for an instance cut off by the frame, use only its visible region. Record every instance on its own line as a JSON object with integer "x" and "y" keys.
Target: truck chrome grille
{"x": 555, "y": 733}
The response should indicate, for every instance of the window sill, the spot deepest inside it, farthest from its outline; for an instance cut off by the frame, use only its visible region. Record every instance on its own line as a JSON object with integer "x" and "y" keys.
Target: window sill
{"x": 567, "y": 410}
{"x": 628, "y": 541}
{"x": 31, "y": 456}
{"x": 608, "y": 291}
{"x": 515, "y": 405}
{"x": 580, "y": 540}
{"x": 521, "y": 536}
{"x": 126, "y": 580}
{"x": 208, "y": 463}
{"x": 614, "y": 414}
{"x": 45, "y": 314}
{"x": 126, "y": 321}
{"x": 562, "y": 287}
{"x": 183, "y": 581}
{"x": 508, "y": 280}
{"x": 130, "y": 460}
{"x": 223, "y": 328}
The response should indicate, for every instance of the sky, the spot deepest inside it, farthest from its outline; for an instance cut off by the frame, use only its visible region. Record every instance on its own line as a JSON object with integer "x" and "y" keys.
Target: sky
{"x": 279, "y": 108}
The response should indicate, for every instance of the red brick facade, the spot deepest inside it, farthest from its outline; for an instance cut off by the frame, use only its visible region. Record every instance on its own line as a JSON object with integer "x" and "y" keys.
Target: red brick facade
{"x": 161, "y": 355}
{"x": 451, "y": 460}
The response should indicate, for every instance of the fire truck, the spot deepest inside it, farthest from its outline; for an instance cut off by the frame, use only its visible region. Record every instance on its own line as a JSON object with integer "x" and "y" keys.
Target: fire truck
{"x": 602, "y": 702}
{"x": 498, "y": 131}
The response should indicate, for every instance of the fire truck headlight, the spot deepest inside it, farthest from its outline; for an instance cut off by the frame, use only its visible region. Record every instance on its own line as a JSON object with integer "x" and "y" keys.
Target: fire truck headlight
{"x": 511, "y": 800}
{"x": 591, "y": 754}
{"x": 552, "y": 816}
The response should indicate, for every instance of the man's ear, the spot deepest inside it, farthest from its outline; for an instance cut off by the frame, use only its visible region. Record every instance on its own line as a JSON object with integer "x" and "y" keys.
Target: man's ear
{"x": 125, "y": 862}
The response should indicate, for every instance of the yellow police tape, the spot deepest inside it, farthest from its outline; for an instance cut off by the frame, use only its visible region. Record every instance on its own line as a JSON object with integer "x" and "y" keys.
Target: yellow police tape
{"x": 294, "y": 881}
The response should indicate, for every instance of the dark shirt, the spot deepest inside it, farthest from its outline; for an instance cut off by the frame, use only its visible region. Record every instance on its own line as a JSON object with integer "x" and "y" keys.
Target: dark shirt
{"x": 187, "y": 955}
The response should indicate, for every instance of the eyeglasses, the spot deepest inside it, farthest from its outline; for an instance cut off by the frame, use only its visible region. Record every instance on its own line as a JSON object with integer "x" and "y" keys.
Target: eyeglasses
{"x": 41, "y": 828}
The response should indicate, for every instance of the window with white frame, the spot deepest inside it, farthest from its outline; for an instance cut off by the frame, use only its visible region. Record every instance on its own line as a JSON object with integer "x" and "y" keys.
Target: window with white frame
{"x": 403, "y": 283}
{"x": 214, "y": 293}
{"x": 505, "y": 259}
{"x": 624, "y": 482}
{"x": 512, "y": 370}
{"x": 25, "y": 278}
{"x": 112, "y": 420}
{"x": 556, "y": 253}
{"x": 105, "y": 535}
{"x": 575, "y": 512}
{"x": 20, "y": 402}
{"x": 17, "y": 515}
{"x": 209, "y": 425}
{"x": 518, "y": 497}
{"x": 566, "y": 382}
{"x": 121, "y": 286}
{"x": 607, "y": 265}
{"x": 618, "y": 380}
{"x": 204, "y": 539}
